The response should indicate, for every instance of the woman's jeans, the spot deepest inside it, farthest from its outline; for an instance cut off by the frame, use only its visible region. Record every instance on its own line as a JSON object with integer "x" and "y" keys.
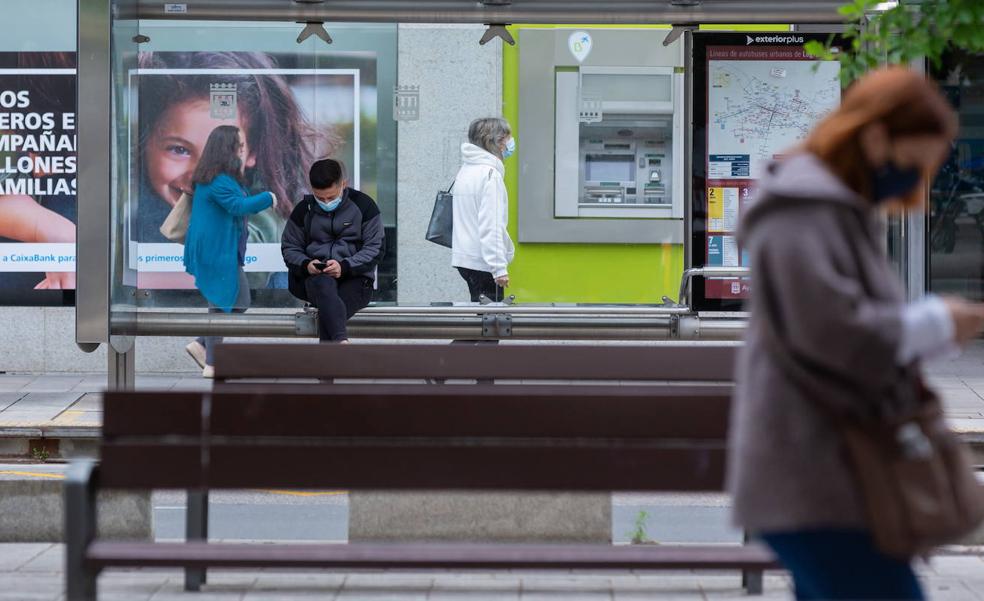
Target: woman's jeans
{"x": 242, "y": 303}
{"x": 481, "y": 282}
{"x": 842, "y": 564}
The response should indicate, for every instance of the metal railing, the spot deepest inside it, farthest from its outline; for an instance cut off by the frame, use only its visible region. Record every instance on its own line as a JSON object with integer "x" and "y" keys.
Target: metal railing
{"x": 686, "y": 282}
{"x": 465, "y": 321}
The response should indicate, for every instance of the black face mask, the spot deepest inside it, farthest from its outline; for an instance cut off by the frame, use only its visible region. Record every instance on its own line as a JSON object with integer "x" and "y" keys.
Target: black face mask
{"x": 892, "y": 181}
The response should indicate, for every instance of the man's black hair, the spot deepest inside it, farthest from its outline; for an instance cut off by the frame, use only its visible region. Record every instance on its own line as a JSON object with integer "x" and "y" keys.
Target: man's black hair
{"x": 325, "y": 173}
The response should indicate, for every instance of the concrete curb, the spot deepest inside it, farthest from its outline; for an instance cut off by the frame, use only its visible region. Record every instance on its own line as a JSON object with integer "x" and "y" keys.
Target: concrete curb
{"x": 32, "y": 508}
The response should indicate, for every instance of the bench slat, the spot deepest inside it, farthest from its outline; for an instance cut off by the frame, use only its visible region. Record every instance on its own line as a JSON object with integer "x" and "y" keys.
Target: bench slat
{"x": 103, "y": 554}
{"x": 149, "y": 413}
{"x": 137, "y": 465}
{"x": 305, "y": 386}
{"x": 516, "y": 466}
{"x": 679, "y": 362}
{"x": 500, "y": 411}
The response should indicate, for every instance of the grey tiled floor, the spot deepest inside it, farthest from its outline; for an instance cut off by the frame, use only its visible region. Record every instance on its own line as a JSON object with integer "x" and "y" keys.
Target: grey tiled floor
{"x": 73, "y": 400}
{"x": 34, "y": 571}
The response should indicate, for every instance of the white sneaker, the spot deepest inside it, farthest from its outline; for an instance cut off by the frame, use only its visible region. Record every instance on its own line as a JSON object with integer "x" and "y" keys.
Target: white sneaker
{"x": 208, "y": 371}
{"x": 197, "y": 352}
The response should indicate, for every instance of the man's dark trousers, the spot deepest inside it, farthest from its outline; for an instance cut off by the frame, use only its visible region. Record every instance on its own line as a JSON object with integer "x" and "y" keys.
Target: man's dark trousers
{"x": 337, "y": 301}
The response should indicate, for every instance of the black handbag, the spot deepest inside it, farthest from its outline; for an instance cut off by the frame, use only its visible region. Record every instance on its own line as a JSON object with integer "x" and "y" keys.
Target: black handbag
{"x": 442, "y": 218}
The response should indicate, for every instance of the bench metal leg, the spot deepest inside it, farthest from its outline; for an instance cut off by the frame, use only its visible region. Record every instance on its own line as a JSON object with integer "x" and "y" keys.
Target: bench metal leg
{"x": 751, "y": 580}
{"x": 196, "y": 528}
{"x": 80, "y": 529}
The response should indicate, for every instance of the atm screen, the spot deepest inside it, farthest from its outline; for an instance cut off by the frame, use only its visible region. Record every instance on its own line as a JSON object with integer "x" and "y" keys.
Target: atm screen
{"x": 609, "y": 168}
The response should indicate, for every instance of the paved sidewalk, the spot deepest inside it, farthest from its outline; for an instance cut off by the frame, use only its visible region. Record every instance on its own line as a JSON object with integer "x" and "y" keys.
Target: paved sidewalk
{"x": 30, "y": 572}
{"x": 65, "y": 405}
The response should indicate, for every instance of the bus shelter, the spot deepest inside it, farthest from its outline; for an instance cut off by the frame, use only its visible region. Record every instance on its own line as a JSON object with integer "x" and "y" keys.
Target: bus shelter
{"x": 640, "y": 135}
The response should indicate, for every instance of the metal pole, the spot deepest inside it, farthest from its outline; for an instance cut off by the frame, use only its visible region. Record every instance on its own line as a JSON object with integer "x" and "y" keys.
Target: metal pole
{"x": 196, "y": 529}
{"x": 122, "y": 371}
{"x": 529, "y": 11}
{"x": 93, "y": 231}
{"x": 645, "y": 326}
{"x": 80, "y": 529}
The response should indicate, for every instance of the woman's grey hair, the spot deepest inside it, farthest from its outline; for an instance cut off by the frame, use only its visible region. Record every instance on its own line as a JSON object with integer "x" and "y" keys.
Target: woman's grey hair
{"x": 489, "y": 133}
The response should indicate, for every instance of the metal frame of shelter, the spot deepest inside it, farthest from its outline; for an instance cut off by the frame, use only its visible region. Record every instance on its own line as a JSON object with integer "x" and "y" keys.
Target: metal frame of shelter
{"x": 103, "y": 319}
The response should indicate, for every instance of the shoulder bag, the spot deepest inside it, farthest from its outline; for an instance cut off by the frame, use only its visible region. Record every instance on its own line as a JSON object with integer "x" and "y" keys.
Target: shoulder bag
{"x": 442, "y": 218}
{"x": 914, "y": 475}
{"x": 175, "y": 226}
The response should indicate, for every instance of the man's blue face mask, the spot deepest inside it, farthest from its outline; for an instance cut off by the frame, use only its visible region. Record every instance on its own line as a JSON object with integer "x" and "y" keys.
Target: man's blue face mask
{"x": 330, "y": 206}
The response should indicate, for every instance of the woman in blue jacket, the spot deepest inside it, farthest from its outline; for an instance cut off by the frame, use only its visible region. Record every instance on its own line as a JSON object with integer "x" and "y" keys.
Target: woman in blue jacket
{"x": 215, "y": 246}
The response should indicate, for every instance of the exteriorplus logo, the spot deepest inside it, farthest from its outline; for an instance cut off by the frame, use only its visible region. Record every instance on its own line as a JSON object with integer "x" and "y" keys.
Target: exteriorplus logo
{"x": 774, "y": 39}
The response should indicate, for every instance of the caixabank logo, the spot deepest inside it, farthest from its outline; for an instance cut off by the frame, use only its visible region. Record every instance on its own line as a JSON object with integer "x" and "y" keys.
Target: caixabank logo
{"x": 774, "y": 39}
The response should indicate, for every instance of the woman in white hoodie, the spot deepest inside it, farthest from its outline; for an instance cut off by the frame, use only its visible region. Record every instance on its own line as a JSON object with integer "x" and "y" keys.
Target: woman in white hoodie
{"x": 480, "y": 247}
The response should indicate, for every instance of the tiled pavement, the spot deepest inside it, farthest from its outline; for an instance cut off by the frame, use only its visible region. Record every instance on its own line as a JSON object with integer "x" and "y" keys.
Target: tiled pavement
{"x": 31, "y": 572}
{"x": 69, "y": 405}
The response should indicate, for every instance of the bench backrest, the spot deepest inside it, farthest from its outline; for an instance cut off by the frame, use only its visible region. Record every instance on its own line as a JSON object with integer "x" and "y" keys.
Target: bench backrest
{"x": 540, "y": 437}
{"x": 664, "y": 362}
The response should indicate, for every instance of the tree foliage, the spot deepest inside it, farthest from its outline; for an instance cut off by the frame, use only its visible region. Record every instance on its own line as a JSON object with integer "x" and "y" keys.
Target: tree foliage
{"x": 910, "y": 31}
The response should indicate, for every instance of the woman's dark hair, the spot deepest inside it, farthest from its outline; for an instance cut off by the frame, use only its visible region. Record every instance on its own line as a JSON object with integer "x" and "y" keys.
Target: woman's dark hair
{"x": 904, "y": 101}
{"x": 276, "y": 131}
{"x": 325, "y": 173}
{"x": 221, "y": 155}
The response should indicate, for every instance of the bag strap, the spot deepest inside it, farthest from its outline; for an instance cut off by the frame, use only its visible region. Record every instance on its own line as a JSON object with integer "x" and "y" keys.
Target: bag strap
{"x": 451, "y": 187}
{"x": 308, "y": 218}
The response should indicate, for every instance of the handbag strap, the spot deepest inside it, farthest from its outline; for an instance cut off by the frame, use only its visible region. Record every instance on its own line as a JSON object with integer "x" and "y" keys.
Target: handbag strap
{"x": 451, "y": 187}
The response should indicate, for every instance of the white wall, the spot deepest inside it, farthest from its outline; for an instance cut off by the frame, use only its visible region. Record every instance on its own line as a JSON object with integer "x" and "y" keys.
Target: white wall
{"x": 459, "y": 81}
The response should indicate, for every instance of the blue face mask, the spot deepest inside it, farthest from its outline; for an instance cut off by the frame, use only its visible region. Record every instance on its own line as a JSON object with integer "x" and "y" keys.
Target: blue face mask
{"x": 329, "y": 206}
{"x": 510, "y": 148}
{"x": 892, "y": 181}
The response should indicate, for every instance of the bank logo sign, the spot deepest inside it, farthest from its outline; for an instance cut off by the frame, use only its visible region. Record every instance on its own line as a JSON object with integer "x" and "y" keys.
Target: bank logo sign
{"x": 580, "y": 44}
{"x": 774, "y": 39}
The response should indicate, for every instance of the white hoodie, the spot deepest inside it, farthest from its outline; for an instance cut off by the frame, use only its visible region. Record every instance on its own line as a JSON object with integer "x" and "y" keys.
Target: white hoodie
{"x": 481, "y": 211}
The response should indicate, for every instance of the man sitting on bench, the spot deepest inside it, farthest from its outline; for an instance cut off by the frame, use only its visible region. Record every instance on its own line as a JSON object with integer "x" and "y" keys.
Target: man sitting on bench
{"x": 332, "y": 244}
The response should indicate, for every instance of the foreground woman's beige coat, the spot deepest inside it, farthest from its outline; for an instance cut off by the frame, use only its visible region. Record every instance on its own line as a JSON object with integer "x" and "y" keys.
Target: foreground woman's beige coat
{"x": 821, "y": 282}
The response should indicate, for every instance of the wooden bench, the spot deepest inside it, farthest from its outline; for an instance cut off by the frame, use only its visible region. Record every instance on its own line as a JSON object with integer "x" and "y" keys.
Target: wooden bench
{"x": 538, "y": 437}
{"x": 687, "y": 367}
{"x": 672, "y": 362}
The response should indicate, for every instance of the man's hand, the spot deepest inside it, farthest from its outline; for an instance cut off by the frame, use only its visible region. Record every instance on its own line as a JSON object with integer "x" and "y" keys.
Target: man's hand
{"x": 502, "y": 281}
{"x": 314, "y": 267}
{"x": 333, "y": 268}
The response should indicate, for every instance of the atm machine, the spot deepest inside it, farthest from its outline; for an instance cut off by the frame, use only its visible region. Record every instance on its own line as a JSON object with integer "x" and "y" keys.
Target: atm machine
{"x": 618, "y": 131}
{"x": 602, "y": 137}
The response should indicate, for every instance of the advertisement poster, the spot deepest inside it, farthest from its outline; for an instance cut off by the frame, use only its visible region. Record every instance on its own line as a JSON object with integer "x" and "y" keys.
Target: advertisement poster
{"x": 761, "y": 101}
{"x": 37, "y": 171}
{"x": 291, "y": 115}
